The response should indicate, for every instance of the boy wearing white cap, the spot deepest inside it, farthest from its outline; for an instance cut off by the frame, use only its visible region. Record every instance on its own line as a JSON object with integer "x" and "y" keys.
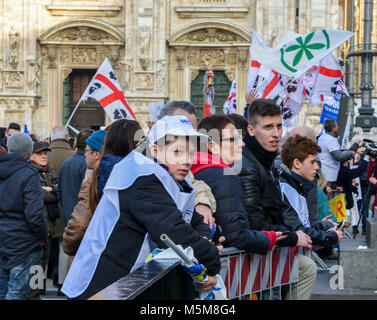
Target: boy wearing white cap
{"x": 144, "y": 198}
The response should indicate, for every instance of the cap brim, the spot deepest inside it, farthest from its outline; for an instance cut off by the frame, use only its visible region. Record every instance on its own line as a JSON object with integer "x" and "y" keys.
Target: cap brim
{"x": 39, "y": 150}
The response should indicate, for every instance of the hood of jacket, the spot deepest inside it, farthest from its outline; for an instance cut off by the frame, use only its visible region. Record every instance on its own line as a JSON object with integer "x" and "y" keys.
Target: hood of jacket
{"x": 203, "y": 160}
{"x": 10, "y": 164}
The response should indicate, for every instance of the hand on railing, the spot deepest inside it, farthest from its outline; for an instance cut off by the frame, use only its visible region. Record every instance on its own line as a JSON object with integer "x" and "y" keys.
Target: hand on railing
{"x": 303, "y": 240}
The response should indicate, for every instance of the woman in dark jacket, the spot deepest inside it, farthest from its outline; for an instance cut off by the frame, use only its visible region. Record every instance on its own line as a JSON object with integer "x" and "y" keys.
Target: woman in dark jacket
{"x": 214, "y": 168}
{"x": 48, "y": 179}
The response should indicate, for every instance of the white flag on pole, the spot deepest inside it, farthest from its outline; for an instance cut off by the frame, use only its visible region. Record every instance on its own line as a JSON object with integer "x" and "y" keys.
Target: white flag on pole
{"x": 106, "y": 89}
{"x": 230, "y": 105}
{"x": 347, "y": 130}
{"x": 254, "y": 65}
{"x": 330, "y": 72}
{"x": 297, "y": 56}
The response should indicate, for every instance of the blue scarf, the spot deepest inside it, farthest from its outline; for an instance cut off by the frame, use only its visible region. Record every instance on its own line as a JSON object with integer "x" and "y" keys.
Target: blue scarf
{"x": 306, "y": 184}
{"x": 108, "y": 161}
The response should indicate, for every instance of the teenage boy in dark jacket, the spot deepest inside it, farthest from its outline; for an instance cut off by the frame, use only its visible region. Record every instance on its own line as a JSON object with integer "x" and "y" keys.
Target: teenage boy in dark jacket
{"x": 261, "y": 193}
{"x": 23, "y": 227}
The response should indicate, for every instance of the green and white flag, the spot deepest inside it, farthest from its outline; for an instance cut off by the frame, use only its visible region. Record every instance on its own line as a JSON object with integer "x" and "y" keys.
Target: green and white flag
{"x": 295, "y": 57}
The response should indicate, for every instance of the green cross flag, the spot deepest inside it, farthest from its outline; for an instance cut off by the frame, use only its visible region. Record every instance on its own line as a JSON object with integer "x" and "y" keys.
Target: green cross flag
{"x": 295, "y": 56}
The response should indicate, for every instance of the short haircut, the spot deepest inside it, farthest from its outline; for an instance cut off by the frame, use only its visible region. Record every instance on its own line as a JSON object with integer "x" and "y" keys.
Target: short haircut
{"x": 172, "y": 106}
{"x": 14, "y": 126}
{"x": 81, "y": 137}
{"x": 59, "y": 132}
{"x": 329, "y": 125}
{"x": 215, "y": 123}
{"x": 262, "y": 108}
{"x": 298, "y": 147}
{"x": 240, "y": 122}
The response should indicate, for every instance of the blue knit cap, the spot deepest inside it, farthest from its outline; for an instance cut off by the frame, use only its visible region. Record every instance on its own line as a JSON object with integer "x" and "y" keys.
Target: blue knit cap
{"x": 96, "y": 140}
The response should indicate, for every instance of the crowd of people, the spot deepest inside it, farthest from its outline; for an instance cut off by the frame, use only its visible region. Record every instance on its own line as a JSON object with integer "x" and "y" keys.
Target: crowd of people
{"x": 92, "y": 213}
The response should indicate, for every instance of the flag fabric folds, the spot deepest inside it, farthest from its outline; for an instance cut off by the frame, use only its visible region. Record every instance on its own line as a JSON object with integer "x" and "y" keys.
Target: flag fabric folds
{"x": 106, "y": 89}
{"x": 297, "y": 56}
{"x": 230, "y": 105}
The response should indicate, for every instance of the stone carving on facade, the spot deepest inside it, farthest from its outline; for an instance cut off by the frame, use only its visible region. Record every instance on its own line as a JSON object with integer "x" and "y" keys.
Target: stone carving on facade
{"x": 13, "y": 79}
{"x": 230, "y": 74}
{"x": 144, "y": 63}
{"x": 64, "y": 57}
{"x": 180, "y": 57}
{"x": 14, "y": 43}
{"x": 114, "y": 55}
{"x": 194, "y": 74}
{"x": 274, "y": 38}
{"x": 242, "y": 56}
{"x": 33, "y": 77}
{"x": 213, "y": 56}
{"x": 84, "y": 55}
{"x": 192, "y": 59}
{"x": 211, "y": 34}
{"x": 231, "y": 58}
{"x": 144, "y": 80}
{"x": 81, "y": 34}
{"x": 51, "y": 55}
{"x": 126, "y": 68}
{"x": 161, "y": 75}
{"x": 145, "y": 42}
{"x": 66, "y": 71}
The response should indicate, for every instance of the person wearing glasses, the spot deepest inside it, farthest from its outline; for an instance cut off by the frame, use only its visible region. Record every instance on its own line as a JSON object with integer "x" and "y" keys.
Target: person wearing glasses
{"x": 216, "y": 167}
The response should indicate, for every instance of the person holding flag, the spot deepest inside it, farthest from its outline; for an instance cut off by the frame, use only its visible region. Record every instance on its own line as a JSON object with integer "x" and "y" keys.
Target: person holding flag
{"x": 147, "y": 194}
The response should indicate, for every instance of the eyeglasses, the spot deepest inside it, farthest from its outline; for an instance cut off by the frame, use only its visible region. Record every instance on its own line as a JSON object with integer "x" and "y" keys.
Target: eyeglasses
{"x": 88, "y": 150}
{"x": 232, "y": 139}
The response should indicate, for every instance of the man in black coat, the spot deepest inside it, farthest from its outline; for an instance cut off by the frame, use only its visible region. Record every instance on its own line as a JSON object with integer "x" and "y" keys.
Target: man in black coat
{"x": 262, "y": 197}
{"x": 23, "y": 226}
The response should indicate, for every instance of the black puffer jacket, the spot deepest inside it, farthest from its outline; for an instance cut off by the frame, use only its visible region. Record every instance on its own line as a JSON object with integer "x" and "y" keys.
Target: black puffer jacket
{"x": 230, "y": 213}
{"x": 317, "y": 230}
{"x": 23, "y": 225}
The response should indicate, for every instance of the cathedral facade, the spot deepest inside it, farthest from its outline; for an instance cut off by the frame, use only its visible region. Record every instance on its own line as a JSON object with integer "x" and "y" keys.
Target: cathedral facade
{"x": 50, "y": 50}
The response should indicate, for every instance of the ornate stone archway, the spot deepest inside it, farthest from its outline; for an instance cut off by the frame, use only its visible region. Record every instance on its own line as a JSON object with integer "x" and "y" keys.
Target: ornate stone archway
{"x": 223, "y": 44}
{"x": 74, "y": 44}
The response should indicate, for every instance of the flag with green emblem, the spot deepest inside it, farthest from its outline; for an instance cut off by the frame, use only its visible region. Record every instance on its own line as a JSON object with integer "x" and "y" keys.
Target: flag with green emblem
{"x": 295, "y": 57}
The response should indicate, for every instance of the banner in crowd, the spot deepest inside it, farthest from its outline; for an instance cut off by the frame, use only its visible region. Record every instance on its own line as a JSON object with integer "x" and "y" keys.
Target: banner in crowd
{"x": 338, "y": 207}
{"x": 297, "y": 56}
{"x": 106, "y": 89}
{"x": 230, "y": 105}
{"x": 347, "y": 130}
{"x": 331, "y": 108}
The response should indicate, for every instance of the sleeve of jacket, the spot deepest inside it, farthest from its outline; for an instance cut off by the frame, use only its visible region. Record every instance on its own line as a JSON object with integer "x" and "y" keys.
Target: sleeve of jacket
{"x": 49, "y": 197}
{"x": 153, "y": 208}
{"x": 33, "y": 202}
{"x": 203, "y": 194}
{"x": 231, "y": 216}
{"x": 251, "y": 195}
{"x": 79, "y": 222}
{"x": 198, "y": 225}
{"x": 341, "y": 155}
{"x": 357, "y": 172}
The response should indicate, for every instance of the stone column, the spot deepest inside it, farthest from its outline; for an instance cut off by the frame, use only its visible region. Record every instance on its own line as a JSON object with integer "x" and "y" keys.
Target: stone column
{"x": 242, "y": 79}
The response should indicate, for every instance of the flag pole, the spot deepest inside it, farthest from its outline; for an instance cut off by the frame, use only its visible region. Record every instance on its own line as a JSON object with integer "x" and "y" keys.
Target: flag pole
{"x": 74, "y": 110}
{"x": 311, "y": 93}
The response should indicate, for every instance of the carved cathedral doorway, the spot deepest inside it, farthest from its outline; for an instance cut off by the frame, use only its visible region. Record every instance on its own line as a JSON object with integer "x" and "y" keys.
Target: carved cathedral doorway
{"x": 89, "y": 114}
{"x": 222, "y": 87}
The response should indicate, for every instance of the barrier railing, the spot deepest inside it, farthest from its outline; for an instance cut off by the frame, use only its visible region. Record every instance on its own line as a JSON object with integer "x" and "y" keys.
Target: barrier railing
{"x": 247, "y": 274}
{"x": 244, "y": 274}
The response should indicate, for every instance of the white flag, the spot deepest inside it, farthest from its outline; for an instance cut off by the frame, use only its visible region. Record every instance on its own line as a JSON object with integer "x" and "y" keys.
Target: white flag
{"x": 347, "y": 130}
{"x": 329, "y": 73}
{"x": 106, "y": 89}
{"x": 297, "y": 56}
{"x": 254, "y": 65}
{"x": 230, "y": 105}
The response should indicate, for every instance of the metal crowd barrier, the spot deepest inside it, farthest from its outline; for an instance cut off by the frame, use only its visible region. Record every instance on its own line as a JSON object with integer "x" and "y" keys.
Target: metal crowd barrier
{"x": 256, "y": 277}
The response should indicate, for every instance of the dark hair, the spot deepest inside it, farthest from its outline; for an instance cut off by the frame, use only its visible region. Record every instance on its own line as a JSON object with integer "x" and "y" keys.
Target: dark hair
{"x": 119, "y": 141}
{"x": 3, "y": 150}
{"x": 240, "y": 122}
{"x": 262, "y": 108}
{"x": 14, "y": 126}
{"x": 169, "y": 109}
{"x": 33, "y": 137}
{"x": 217, "y": 122}
{"x": 81, "y": 137}
{"x": 298, "y": 147}
{"x": 329, "y": 125}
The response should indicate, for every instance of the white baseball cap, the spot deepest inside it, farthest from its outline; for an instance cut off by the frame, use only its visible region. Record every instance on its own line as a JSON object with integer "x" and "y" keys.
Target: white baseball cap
{"x": 178, "y": 126}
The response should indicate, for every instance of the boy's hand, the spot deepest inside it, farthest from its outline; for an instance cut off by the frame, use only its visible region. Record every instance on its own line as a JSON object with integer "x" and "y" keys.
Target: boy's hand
{"x": 206, "y": 213}
{"x": 209, "y": 284}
